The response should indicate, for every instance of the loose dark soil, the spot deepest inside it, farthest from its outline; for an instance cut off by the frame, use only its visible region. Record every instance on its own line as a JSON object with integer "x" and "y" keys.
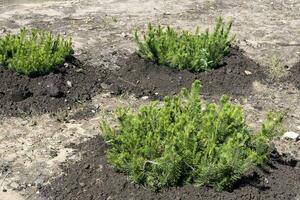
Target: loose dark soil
{"x": 22, "y": 95}
{"x": 56, "y": 91}
{"x": 233, "y": 77}
{"x": 93, "y": 179}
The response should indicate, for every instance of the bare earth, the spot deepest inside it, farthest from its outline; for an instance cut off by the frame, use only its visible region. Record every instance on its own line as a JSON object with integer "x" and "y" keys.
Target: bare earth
{"x": 31, "y": 149}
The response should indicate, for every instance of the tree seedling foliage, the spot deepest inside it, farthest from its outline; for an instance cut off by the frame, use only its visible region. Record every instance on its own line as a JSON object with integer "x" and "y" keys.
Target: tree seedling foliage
{"x": 184, "y": 140}
{"x": 34, "y": 52}
{"x": 184, "y": 50}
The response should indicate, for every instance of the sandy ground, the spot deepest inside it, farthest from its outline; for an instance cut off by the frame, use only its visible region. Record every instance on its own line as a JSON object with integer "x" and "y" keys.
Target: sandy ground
{"x": 31, "y": 149}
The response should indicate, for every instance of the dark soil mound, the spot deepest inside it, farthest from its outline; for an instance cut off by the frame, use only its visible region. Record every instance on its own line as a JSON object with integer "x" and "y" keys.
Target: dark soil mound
{"x": 73, "y": 83}
{"x": 234, "y": 77}
{"x": 61, "y": 90}
{"x": 93, "y": 179}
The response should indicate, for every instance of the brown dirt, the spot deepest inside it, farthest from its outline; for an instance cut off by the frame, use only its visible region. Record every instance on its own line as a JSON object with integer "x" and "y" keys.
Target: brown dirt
{"x": 93, "y": 179}
{"x": 20, "y": 94}
{"x": 145, "y": 78}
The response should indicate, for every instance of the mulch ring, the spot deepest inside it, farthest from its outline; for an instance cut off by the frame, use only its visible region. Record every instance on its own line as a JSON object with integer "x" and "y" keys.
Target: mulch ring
{"x": 72, "y": 83}
{"x": 93, "y": 179}
{"x": 233, "y": 77}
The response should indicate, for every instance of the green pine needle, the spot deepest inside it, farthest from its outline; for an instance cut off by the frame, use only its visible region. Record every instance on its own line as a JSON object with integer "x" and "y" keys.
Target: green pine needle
{"x": 186, "y": 140}
{"x": 34, "y": 52}
{"x": 184, "y": 50}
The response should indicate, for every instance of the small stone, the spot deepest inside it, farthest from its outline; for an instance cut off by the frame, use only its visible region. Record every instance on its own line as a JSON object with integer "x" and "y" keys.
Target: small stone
{"x": 53, "y": 153}
{"x": 73, "y": 157}
{"x": 79, "y": 70}
{"x": 4, "y": 190}
{"x": 104, "y": 86}
{"x": 10, "y": 157}
{"x": 82, "y": 184}
{"x": 228, "y": 70}
{"x": 298, "y": 127}
{"x": 33, "y": 123}
{"x": 54, "y": 91}
{"x": 69, "y": 83}
{"x": 39, "y": 182}
{"x": 291, "y": 136}
{"x": 156, "y": 93}
{"x": 248, "y": 72}
{"x": 87, "y": 166}
{"x": 2, "y": 31}
{"x": 298, "y": 166}
{"x": 14, "y": 185}
{"x": 72, "y": 121}
{"x": 123, "y": 34}
{"x": 145, "y": 98}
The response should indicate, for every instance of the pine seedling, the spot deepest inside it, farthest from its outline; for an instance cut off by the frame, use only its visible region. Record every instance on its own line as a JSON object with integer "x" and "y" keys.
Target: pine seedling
{"x": 34, "y": 52}
{"x": 184, "y": 50}
{"x": 184, "y": 140}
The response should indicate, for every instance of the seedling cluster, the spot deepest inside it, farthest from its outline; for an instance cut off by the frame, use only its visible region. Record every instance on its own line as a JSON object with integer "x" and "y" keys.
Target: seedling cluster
{"x": 180, "y": 140}
{"x": 184, "y": 140}
{"x": 184, "y": 50}
{"x": 34, "y": 52}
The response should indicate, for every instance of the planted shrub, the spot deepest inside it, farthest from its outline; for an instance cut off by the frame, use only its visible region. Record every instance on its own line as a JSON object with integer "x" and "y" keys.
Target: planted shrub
{"x": 184, "y": 50}
{"x": 34, "y": 52}
{"x": 184, "y": 140}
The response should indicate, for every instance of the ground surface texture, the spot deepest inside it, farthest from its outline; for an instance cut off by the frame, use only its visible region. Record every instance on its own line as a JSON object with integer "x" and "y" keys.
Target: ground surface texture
{"x": 34, "y": 144}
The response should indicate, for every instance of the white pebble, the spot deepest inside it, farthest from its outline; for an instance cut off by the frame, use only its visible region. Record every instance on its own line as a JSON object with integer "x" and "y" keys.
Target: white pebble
{"x": 291, "y": 135}
{"x": 248, "y": 72}
{"x": 69, "y": 83}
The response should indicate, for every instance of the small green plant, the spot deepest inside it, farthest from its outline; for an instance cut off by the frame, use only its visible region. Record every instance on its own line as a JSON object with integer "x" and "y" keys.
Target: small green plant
{"x": 184, "y": 50}
{"x": 184, "y": 140}
{"x": 34, "y": 52}
{"x": 276, "y": 68}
